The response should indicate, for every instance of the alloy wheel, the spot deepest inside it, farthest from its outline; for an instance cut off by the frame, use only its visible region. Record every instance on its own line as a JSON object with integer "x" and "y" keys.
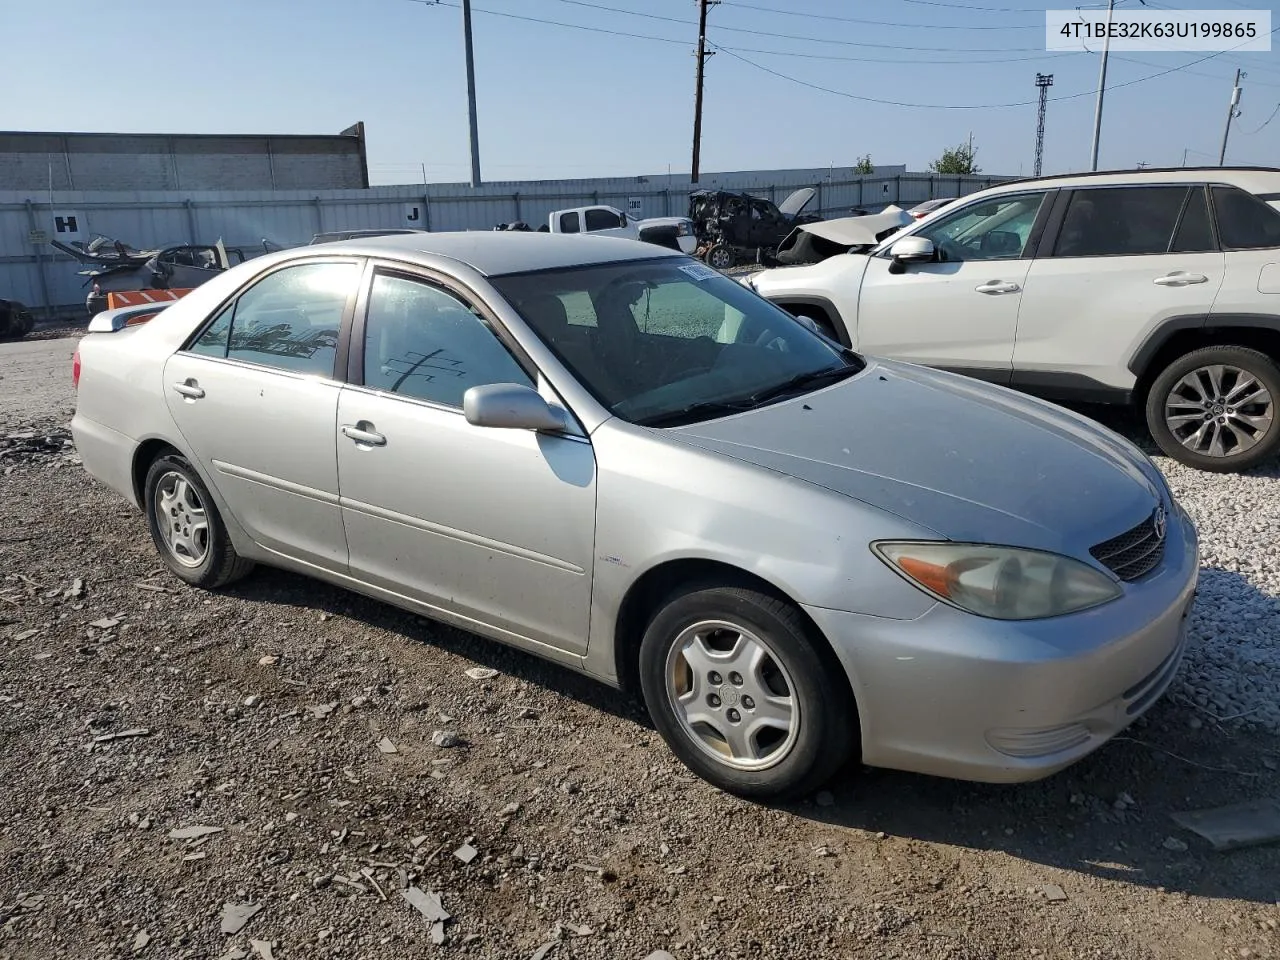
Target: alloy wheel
{"x": 732, "y": 695}
{"x": 182, "y": 519}
{"x": 1219, "y": 410}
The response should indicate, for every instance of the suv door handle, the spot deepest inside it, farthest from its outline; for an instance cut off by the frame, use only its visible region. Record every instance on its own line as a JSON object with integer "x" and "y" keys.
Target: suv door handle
{"x": 998, "y": 286}
{"x": 1180, "y": 279}
{"x": 360, "y": 434}
{"x": 189, "y": 389}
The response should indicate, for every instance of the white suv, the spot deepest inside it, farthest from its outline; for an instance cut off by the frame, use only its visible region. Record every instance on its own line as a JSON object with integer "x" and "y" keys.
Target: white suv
{"x": 1159, "y": 288}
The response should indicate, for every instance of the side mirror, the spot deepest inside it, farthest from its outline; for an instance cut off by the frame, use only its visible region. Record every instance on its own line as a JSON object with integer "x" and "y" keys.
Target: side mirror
{"x": 807, "y": 321}
{"x": 512, "y": 406}
{"x": 624, "y": 219}
{"x": 910, "y": 250}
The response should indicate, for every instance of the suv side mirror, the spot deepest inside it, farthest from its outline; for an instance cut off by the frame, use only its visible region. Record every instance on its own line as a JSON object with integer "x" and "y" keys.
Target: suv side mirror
{"x": 910, "y": 250}
{"x": 513, "y": 406}
{"x": 624, "y": 218}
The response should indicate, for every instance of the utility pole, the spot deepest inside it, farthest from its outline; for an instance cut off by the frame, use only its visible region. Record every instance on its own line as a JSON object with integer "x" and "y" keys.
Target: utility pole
{"x": 471, "y": 94}
{"x": 702, "y": 55}
{"x": 1102, "y": 86}
{"x": 1231, "y": 112}
{"x": 1044, "y": 81}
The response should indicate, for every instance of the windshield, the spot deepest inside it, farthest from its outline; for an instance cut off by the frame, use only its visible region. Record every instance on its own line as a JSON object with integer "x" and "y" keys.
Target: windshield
{"x": 670, "y": 341}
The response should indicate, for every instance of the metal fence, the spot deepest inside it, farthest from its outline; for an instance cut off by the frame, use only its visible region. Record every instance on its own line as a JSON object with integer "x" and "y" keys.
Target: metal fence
{"x": 35, "y": 273}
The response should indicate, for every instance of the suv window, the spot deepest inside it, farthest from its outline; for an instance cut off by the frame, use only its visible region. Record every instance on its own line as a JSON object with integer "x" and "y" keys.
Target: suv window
{"x": 569, "y": 222}
{"x": 1195, "y": 233}
{"x": 1244, "y": 221}
{"x": 602, "y": 220}
{"x": 421, "y": 341}
{"x": 288, "y": 320}
{"x": 995, "y": 229}
{"x": 1120, "y": 221}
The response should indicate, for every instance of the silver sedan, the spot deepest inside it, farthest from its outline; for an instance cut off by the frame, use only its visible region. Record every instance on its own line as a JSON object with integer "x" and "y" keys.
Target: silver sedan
{"x": 616, "y": 458}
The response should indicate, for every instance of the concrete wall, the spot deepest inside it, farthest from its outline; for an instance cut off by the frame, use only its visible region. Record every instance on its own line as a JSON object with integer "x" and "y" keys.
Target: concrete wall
{"x": 40, "y": 162}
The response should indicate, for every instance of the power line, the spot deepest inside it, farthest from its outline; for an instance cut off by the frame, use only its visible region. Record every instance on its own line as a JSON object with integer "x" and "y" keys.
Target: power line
{"x": 898, "y": 60}
{"x": 806, "y": 39}
{"x": 1250, "y": 133}
{"x": 874, "y": 23}
{"x": 964, "y": 106}
{"x": 550, "y": 23}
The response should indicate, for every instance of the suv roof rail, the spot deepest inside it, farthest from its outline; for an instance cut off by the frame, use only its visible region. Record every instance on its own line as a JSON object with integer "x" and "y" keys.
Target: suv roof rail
{"x": 1131, "y": 170}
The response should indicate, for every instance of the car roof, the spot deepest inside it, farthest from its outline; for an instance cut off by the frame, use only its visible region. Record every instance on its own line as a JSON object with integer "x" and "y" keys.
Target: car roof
{"x": 1253, "y": 179}
{"x": 497, "y": 252}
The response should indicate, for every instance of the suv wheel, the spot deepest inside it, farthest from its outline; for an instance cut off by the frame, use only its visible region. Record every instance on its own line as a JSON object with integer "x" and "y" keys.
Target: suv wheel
{"x": 1215, "y": 408}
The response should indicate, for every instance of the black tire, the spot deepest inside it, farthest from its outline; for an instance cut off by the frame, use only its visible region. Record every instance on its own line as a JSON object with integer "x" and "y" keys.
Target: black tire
{"x": 218, "y": 564}
{"x": 721, "y": 256}
{"x": 819, "y": 742}
{"x": 1251, "y": 363}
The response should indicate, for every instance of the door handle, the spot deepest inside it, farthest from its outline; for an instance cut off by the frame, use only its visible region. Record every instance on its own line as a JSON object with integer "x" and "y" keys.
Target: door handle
{"x": 998, "y": 286}
{"x": 1180, "y": 279}
{"x": 359, "y": 433}
{"x": 189, "y": 389}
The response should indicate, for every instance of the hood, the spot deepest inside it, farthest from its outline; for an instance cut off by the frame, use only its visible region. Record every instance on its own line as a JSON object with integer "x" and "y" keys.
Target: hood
{"x": 967, "y": 460}
{"x": 859, "y": 231}
{"x": 792, "y": 206}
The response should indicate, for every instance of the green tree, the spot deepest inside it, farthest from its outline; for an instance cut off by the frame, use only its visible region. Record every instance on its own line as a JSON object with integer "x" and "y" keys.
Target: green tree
{"x": 864, "y": 165}
{"x": 959, "y": 159}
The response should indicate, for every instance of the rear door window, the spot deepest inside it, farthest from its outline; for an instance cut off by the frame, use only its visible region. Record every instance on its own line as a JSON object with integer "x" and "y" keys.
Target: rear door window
{"x": 289, "y": 320}
{"x": 1120, "y": 221}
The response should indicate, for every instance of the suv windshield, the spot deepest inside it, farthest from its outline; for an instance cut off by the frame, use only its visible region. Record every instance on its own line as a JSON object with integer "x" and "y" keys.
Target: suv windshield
{"x": 669, "y": 341}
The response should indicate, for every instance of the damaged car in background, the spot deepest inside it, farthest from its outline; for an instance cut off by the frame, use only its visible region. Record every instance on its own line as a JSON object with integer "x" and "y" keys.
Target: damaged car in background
{"x": 736, "y": 227}
{"x": 15, "y": 320}
{"x": 115, "y": 266}
{"x": 815, "y": 242}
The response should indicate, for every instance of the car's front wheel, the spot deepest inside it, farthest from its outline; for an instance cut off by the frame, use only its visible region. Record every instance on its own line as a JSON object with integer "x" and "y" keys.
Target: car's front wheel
{"x": 186, "y": 527}
{"x": 1215, "y": 408}
{"x": 744, "y": 694}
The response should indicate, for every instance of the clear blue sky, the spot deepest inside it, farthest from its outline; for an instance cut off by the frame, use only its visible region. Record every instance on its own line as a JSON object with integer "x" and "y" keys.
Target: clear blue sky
{"x": 562, "y": 102}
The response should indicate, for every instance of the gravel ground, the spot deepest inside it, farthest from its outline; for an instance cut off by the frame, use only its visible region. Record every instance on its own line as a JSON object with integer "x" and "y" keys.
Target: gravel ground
{"x": 311, "y": 728}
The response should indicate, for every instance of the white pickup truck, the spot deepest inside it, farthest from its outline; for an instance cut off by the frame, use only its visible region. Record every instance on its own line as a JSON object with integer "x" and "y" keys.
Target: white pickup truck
{"x": 675, "y": 233}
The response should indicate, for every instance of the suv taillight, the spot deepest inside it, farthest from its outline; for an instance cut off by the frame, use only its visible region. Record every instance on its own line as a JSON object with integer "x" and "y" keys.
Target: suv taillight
{"x": 75, "y": 370}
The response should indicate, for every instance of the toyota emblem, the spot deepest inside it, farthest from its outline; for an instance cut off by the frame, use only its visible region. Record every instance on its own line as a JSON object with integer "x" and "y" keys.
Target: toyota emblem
{"x": 1160, "y": 523}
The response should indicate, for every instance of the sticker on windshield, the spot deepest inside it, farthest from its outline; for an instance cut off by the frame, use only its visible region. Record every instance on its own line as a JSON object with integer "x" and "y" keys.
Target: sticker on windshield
{"x": 698, "y": 272}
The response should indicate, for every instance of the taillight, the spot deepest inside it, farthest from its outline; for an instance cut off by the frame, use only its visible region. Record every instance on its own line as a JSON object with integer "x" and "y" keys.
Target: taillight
{"x": 75, "y": 370}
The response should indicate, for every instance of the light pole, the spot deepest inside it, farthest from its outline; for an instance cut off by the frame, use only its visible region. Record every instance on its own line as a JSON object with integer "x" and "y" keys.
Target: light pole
{"x": 1102, "y": 86}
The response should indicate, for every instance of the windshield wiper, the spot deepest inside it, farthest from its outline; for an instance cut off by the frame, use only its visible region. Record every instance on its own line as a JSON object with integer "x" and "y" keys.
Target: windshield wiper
{"x": 702, "y": 410}
{"x": 811, "y": 378}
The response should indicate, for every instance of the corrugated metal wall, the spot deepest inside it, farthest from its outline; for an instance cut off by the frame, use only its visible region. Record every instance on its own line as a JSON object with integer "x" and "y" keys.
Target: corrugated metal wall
{"x": 35, "y": 273}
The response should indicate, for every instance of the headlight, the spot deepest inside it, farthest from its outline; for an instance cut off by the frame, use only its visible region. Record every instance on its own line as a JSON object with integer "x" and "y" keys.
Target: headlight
{"x": 684, "y": 228}
{"x": 1005, "y": 583}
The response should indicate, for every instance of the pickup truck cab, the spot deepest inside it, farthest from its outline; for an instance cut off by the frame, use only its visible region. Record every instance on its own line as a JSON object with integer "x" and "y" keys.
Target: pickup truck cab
{"x": 675, "y": 233}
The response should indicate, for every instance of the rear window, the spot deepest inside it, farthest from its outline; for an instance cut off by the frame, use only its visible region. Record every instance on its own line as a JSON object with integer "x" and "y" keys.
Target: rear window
{"x": 1244, "y": 221}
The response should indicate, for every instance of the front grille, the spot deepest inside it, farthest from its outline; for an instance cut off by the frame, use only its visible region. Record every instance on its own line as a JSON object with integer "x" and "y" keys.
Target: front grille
{"x": 1134, "y": 553}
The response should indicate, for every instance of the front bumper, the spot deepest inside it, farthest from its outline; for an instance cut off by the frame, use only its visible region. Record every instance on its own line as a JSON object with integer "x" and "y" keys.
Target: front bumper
{"x": 955, "y": 695}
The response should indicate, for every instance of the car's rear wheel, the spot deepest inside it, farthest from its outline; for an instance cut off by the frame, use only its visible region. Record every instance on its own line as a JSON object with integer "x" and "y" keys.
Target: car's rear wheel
{"x": 743, "y": 693}
{"x": 721, "y": 257}
{"x": 186, "y": 527}
{"x": 1215, "y": 408}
